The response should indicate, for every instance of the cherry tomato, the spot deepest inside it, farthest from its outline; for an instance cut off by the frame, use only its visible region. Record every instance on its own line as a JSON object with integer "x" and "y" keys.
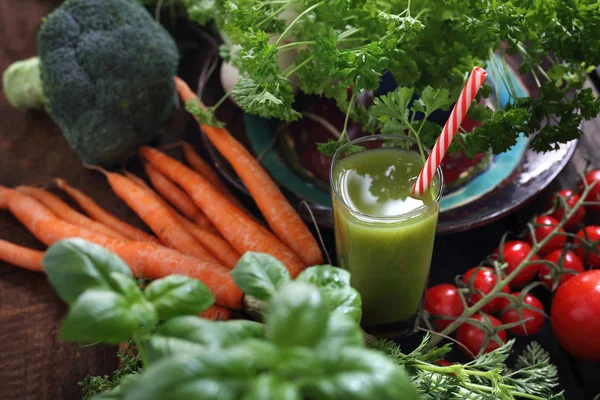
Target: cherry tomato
{"x": 484, "y": 282}
{"x": 443, "y": 300}
{"x": 571, "y": 199}
{"x": 514, "y": 253}
{"x": 589, "y": 234}
{"x": 574, "y": 315}
{"x": 473, "y": 338}
{"x": 548, "y": 223}
{"x": 592, "y": 178}
{"x": 570, "y": 262}
{"x": 533, "y": 320}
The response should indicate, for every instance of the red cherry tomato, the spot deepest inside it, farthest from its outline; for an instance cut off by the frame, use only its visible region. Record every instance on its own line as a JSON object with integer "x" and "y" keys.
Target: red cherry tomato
{"x": 533, "y": 320}
{"x": 574, "y": 315}
{"x": 443, "y": 300}
{"x": 547, "y": 225}
{"x": 589, "y": 234}
{"x": 592, "y": 178}
{"x": 473, "y": 338}
{"x": 514, "y": 253}
{"x": 484, "y": 281}
{"x": 570, "y": 262}
{"x": 571, "y": 199}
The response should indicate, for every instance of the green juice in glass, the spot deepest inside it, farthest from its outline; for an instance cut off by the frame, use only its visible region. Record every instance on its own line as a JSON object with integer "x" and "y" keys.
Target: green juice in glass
{"x": 384, "y": 236}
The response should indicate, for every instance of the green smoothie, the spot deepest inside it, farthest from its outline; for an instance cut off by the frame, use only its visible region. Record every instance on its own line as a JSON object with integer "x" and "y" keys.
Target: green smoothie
{"x": 384, "y": 236}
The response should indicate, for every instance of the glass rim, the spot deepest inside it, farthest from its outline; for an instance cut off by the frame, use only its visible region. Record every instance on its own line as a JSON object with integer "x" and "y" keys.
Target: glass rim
{"x": 399, "y": 217}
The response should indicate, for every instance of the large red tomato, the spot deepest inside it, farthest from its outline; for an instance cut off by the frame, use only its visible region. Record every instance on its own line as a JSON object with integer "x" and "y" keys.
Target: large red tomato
{"x": 575, "y": 315}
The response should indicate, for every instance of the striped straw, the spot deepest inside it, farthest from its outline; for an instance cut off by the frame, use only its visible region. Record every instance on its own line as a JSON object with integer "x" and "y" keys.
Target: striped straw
{"x": 456, "y": 116}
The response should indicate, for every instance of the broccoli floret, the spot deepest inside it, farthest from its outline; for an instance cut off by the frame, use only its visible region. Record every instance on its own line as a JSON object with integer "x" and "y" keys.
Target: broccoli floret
{"x": 107, "y": 73}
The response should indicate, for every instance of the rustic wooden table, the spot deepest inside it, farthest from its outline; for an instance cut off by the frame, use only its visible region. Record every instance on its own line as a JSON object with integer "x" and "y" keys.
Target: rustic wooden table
{"x": 34, "y": 364}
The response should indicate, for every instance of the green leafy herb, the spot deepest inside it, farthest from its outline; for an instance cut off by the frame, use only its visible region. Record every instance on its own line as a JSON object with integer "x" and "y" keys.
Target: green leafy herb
{"x": 259, "y": 275}
{"x": 344, "y": 47}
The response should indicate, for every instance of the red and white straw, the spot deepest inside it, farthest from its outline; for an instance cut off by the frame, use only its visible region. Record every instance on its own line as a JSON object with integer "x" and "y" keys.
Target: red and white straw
{"x": 456, "y": 116}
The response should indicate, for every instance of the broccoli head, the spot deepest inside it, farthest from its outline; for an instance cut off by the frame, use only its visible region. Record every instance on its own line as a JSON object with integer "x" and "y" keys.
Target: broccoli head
{"x": 107, "y": 73}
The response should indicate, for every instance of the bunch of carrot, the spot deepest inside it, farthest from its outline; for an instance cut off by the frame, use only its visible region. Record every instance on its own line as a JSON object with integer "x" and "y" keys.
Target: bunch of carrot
{"x": 201, "y": 229}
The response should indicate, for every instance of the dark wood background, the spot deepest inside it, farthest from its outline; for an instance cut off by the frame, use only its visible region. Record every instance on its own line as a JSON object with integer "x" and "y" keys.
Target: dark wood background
{"x": 34, "y": 364}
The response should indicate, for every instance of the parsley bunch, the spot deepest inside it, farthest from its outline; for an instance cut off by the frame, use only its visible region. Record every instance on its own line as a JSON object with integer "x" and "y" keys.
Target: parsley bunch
{"x": 345, "y": 46}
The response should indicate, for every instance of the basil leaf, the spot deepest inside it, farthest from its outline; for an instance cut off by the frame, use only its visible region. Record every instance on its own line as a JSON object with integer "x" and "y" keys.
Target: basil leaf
{"x": 297, "y": 315}
{"x": 103, "y": 316}
{"x": 221, "y": 374}
{"x": 334, "y": 285}
{"x": 259, "y": 275}
{"x": 358, "y": 374}
{"x": 342, "y": 331}
{"x": 76, "y": 265}
{"x": 269, "y": 387}
{"x": 196, "y": 335}
{"x": 178, "y": 295}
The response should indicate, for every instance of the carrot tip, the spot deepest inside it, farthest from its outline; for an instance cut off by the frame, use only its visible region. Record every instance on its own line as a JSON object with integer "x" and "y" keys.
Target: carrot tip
{"x": 95, "y": 168}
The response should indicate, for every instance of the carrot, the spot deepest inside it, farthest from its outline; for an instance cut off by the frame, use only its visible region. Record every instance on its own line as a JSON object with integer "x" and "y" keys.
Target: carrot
{"x": 216, "y": 245}
{"x": 101, "y": 215}
{"x": 216, "y": 313}
{"x": 146, "y": 260}
{"x": 64, "y": 211}
{"x": 177, "y": 197}
{"x": 203, "y": 168}
{"x": 158, "y": 218}
{"x": 21, "y": 256}
{"x": 243, "y": 233}
{"x": 281, "y": 216}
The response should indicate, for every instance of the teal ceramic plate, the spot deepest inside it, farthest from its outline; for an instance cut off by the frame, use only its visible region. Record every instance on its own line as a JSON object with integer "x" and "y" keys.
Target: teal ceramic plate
{"x": 510, "y": 180}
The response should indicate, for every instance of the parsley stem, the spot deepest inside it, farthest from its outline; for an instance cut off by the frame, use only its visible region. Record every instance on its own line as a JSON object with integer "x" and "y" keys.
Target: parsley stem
{"x": 221, "y": 100}
{"x": 495, "y": 77}
{"x": 293, "y": 45}
{"x": 273, "y": 14}
{"x": 309, "y": 9}
{"x": 297, "y": 67}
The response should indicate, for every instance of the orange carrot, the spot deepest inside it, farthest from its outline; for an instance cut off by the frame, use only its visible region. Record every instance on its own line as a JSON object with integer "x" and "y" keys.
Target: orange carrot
{"x": 216, "y": 313}
{"x": 158, "y": 218}
{"x": 101, "y": 215}
{"x": 146, "y": 260}
{"x": 281, "y": 216}
{"x": 20, "y": 256}
{"x": 64, "y": 211}
{"x": 173, "y": 194}
{"x": 216, "y": 245}
{"x": 243, "y": 233}
{"x": 203, "y": 168}
{"x": 177, "y": 197}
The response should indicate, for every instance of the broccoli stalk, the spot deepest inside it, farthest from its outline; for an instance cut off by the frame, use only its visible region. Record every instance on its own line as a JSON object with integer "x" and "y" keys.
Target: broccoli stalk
{"x": 104, "y": 74}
